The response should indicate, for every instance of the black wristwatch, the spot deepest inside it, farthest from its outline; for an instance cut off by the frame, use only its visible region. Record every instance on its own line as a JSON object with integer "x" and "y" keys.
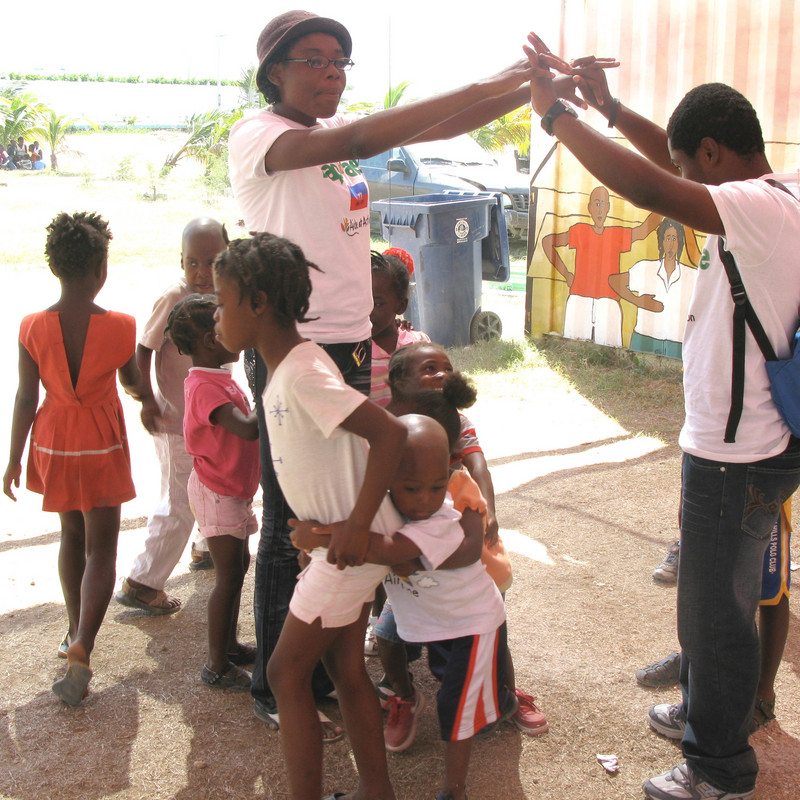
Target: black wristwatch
{"x": 556, "y": 110}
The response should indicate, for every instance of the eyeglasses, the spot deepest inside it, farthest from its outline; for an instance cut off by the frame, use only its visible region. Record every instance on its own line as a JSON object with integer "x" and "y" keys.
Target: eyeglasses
{"x": 320, "y": 62}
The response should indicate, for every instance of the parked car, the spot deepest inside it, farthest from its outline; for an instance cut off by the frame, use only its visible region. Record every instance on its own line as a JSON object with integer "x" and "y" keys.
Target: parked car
{"x": 459, "y": 163}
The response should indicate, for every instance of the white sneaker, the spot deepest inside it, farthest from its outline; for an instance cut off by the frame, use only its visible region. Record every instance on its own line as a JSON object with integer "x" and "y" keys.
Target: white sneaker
{"x": 667, "y": 719}
{"x": 667, "y": 570}
{"x": 680, "y": 783}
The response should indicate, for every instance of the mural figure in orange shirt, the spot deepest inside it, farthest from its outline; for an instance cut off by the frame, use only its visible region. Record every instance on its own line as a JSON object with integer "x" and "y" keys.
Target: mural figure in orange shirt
{"x": 593, "y": 310}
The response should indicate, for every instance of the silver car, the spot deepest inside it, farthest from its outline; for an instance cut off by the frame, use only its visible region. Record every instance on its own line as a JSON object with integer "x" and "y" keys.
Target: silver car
{"x": 459, "y": 163}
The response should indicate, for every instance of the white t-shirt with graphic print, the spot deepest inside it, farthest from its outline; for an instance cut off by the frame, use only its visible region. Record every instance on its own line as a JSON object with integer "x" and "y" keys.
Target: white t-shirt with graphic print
{"x": 319, "y": 465}
{"x": 324, "y": 209}
{"x": 435, "y": 604}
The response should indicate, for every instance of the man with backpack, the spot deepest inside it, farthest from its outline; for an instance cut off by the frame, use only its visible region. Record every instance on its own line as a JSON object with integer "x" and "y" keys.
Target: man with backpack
{"x": 709, "y": 171}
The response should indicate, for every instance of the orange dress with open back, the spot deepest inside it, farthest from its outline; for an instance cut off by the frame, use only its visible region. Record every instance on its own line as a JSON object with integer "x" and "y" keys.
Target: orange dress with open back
{"x": 79, "y": 457}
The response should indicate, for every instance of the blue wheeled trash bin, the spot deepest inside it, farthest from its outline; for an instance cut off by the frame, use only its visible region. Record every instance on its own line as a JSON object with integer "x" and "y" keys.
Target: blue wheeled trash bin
{"x": 457, "y": 239}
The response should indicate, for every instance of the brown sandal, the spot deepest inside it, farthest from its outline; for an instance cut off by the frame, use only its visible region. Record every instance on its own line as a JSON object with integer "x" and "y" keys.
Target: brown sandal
{"x": 160, "y": 603}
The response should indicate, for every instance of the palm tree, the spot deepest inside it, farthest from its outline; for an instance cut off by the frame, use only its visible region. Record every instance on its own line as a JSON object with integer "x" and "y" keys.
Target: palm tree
{"x": 513, "y": 129}
{"x": 208, "y": 135}
{"x": 53, "y": 129}
{"x": 395, "y": 94}
{"x": 19, "y": 112}
{"x": 250, "y": 96}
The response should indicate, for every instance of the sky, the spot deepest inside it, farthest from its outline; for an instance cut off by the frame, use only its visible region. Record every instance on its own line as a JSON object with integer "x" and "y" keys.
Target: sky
{"x": 434, "y": 44}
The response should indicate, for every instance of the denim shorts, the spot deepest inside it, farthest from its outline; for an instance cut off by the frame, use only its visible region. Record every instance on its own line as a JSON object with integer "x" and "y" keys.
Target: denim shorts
{"x": 386, "y": 628}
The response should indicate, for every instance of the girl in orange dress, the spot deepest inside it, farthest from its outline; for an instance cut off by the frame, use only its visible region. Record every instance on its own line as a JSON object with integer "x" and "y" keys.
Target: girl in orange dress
{"x": 78, "y": 459}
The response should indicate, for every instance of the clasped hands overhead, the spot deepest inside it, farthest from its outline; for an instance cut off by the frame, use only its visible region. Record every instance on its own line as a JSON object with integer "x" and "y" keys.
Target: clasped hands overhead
{"x": 587, "y": 74}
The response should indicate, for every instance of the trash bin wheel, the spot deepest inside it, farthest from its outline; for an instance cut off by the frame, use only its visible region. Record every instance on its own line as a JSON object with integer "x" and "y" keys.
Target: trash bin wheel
{"x": 485, "y": 326}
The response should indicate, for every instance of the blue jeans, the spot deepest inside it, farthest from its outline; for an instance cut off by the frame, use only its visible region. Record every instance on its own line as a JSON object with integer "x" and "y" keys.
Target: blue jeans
{"x": 727, "y": 514}
{"x": 276, "y": 563}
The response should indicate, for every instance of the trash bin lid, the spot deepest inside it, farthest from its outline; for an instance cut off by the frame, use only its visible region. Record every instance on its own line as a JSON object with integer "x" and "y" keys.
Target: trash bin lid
{"x": 437, "y": 201}
{"x": 405, "y": 211}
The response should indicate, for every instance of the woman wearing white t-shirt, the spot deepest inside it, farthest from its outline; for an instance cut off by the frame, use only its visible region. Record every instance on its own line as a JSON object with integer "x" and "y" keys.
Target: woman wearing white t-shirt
{"x": 294, "y": 171}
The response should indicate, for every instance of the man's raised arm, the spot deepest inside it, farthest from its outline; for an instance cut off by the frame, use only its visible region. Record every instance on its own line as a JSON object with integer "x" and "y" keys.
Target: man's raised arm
{"x": 641, "y": 181}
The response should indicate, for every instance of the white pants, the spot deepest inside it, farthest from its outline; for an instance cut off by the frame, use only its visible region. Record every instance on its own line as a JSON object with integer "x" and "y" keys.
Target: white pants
{"x": 170, "y": 525}
{"x": 595, "y": 319}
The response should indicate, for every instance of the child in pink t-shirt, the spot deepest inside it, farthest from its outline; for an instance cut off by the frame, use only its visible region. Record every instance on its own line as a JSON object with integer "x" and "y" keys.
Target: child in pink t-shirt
{"x": 221, "y": 435}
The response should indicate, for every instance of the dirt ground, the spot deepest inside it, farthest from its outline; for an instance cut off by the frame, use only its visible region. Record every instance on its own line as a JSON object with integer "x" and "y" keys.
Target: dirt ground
{"x": 587, "y": 499}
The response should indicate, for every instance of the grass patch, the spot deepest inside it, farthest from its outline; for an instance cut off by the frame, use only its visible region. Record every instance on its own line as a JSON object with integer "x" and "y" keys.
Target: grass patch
{"x": 643, "y": 392}
{"x": 587, "y": 363}
{"x": 499, "y": 355}
{"x": 518, "y": 250}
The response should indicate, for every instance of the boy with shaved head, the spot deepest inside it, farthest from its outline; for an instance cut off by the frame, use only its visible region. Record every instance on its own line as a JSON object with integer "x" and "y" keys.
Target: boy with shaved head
{"x": 170, "y": 525}
{"x": 450, "y": 600}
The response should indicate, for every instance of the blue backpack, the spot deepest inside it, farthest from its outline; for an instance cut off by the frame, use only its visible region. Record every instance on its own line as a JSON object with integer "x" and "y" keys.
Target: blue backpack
{"x": 784, "y": 381}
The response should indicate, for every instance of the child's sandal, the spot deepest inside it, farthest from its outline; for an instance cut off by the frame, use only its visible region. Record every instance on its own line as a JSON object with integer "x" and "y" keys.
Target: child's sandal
{"x": 74, "y": 686}
{"x": 244, "y": 654}
{"x": 233, "y": 678}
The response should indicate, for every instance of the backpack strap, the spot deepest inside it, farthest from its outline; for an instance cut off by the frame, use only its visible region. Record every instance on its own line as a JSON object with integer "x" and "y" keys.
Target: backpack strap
{"x": 742, "y": 313}
{"x": 779, "y": 185}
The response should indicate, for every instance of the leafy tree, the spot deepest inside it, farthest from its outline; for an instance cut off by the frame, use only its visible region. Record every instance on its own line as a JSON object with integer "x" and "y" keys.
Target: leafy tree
{"x": 19, "y": 112}
{"x": 215, "y": 179}
{"x": 52, "y": 129}
{"x": 512, "y": 129}
{"x": 208, "y": 135}
{"x": 155, "y": 179}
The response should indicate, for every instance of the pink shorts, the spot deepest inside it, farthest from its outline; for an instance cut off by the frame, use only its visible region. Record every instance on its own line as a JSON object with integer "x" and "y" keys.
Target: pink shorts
{"x": 219, "y": 514}
{"x": 335, "y": 596}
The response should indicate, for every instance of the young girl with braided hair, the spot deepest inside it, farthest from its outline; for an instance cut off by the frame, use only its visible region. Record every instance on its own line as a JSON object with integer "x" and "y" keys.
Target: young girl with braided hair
{"x": 79, "y": 459}
{"x": 334, "y": 454}
{"x": 221, "y": 435}
{"x": 391, "y": 278}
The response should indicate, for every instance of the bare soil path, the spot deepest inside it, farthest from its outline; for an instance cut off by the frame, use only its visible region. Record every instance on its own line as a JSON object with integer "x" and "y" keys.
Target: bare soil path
{"x": 587, "y": 498}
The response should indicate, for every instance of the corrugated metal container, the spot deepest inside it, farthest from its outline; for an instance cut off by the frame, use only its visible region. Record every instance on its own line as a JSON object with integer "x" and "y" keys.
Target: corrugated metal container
{"x": 666, "y": 48}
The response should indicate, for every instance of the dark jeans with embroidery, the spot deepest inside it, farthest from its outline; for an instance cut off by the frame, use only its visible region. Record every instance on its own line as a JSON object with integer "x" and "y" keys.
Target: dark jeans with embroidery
{"x": 276, "y": 563}
{"x": 727, "y": 514}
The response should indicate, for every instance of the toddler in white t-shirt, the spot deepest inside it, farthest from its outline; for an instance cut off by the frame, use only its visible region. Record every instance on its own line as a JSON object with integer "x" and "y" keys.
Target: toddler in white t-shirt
{"x": 448, "y": 598}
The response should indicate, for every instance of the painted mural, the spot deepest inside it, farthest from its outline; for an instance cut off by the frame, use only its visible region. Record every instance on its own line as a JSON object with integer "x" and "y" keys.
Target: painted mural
{"x": 626, "y": 282}
{"x": 600, "y": 269}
